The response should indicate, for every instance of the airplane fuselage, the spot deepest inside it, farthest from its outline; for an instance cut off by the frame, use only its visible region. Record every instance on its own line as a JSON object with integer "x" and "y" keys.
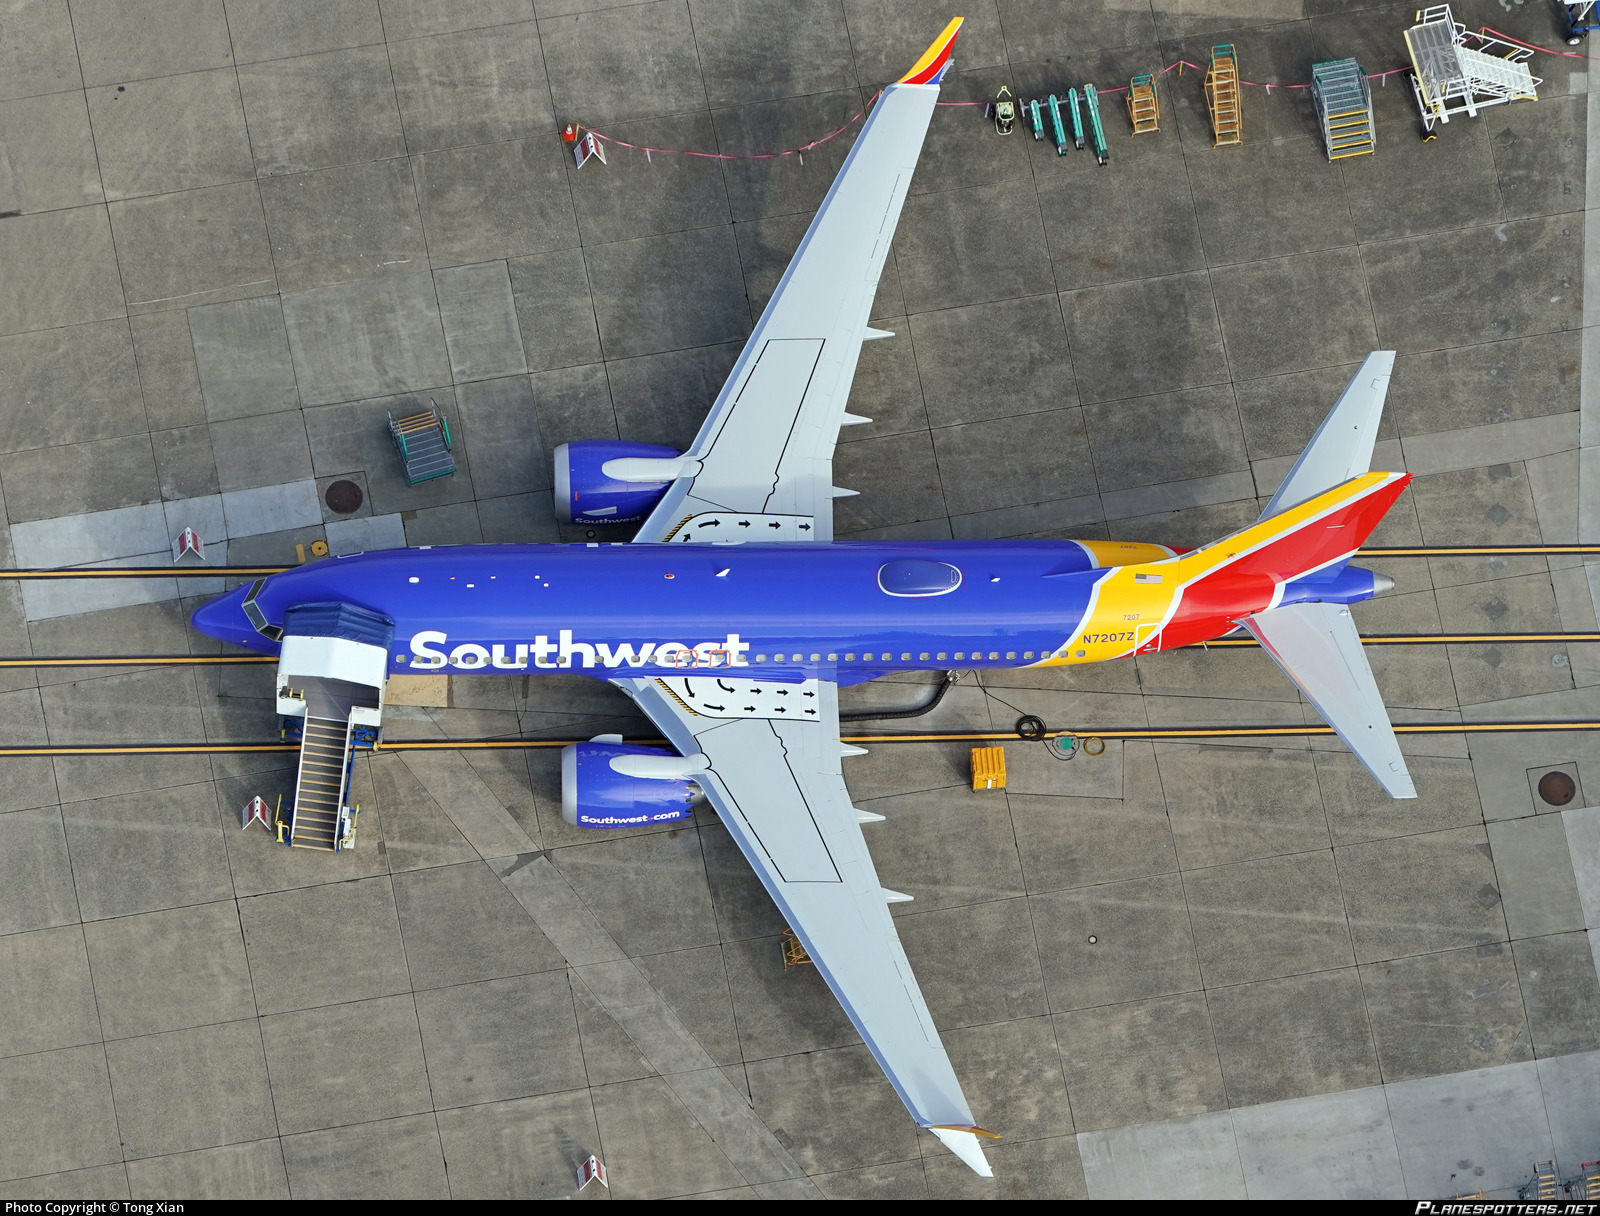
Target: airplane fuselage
{"x": 784, "y": 612}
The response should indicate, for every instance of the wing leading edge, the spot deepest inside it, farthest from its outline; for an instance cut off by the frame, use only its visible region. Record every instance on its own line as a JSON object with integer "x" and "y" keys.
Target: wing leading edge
{"x": 777, "y": 786}
{"x": 766, "y": 448}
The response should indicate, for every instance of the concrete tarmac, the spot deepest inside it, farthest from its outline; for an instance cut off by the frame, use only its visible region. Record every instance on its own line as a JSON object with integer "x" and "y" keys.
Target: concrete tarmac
{"x": 236, "y": 236}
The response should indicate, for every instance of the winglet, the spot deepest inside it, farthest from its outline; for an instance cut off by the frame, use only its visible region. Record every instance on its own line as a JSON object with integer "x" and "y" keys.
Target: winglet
{"x": 930, "y": 68}
{"x": 963, "y": 1142}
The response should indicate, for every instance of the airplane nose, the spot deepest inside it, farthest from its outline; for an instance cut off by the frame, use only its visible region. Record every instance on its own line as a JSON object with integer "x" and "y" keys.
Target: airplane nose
{"x": 224, "y": 619}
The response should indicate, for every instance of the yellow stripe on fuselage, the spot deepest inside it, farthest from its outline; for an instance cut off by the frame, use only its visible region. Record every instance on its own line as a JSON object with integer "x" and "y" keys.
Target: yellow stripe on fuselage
{"x": 1131, "y": 604}
{"x": 1108, "y": 553}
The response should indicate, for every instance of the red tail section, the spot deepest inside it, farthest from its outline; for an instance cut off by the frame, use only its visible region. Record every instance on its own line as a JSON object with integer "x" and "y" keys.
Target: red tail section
{"x": 1244, "y": 581}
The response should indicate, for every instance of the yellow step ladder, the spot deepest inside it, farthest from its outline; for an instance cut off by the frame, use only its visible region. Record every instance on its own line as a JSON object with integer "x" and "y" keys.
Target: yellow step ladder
{"x": 1222, "y": 97}
{"x": 1143, "y": 108}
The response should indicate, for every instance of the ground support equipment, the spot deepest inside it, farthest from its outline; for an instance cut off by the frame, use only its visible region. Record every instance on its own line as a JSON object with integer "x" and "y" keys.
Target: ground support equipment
{"x": 424, "y": 443}
{"x": 1058, "y": 129}
{"x": 1143, "y": 107}
{"x": 1585, "y": 1188}
{"x": 1343, "y": 97}
{"x": 1222, "y": 97}
{"x": 332, "y": 670}
{"x": 1581, "y": 21}
{"x": 1097, "y": 133}
{"x": 1454, "y": 72}
{"x": 1542, "y": 1187}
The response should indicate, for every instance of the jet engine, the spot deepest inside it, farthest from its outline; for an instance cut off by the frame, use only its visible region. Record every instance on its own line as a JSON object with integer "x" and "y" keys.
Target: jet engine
{"x": 607, "y": 783}
{"x": 602, "y": 481}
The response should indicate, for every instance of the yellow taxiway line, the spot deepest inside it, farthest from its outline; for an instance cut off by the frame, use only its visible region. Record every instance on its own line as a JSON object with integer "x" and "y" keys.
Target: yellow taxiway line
{"x": 1149, "y": 733}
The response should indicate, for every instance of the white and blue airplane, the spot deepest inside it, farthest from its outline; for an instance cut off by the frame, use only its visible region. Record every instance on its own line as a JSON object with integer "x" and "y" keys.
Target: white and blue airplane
{"x": 734, "y": 618}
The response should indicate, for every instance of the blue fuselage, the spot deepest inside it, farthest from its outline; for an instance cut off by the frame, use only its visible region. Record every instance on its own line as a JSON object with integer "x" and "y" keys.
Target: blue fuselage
{"x": 787, "y": 611}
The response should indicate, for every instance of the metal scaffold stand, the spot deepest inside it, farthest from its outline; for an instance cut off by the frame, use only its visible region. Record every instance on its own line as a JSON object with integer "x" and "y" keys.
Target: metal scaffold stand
{"x": 1456, "y": 72}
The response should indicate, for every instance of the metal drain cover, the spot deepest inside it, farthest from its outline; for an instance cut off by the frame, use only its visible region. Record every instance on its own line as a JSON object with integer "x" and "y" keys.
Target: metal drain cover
{"x": 343, "y": 497}
{"x": 1557, "y": 788}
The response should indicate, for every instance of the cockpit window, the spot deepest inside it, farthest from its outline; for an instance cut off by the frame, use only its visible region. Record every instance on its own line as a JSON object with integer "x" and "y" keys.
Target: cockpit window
{"x": 915, "y": 578}
{"x": 256, "y": 617}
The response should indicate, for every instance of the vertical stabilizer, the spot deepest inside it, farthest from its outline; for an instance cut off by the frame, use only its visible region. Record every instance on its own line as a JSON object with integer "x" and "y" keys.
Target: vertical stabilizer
{"x": 1318, "y": 648}
{"x": 1342, "y": 447}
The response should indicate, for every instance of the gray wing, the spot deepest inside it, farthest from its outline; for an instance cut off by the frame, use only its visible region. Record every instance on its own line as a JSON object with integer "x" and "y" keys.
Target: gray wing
{"x": 778, "y": 787}
{"x": 763, "y": 460}
{"x": 1319, "y": 649}
{"x": 1342, "y": 447}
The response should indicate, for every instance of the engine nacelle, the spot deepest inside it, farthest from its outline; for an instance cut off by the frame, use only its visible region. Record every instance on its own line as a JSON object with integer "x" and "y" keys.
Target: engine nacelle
{"x": 594, "y": 794}
{"x": 587, "y": 494}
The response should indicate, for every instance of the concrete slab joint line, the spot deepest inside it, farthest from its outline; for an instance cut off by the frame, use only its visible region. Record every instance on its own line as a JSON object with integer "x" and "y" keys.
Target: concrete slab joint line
{"x": 1589, "y": 372}
{"x": 1583, "y": 836}
{"x": 616, "y": 982}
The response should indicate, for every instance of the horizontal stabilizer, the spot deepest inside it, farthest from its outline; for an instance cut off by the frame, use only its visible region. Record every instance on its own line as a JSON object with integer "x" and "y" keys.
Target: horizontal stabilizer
{"x": 1342, "y": 447}
{"x": 965, "y": 1144}
{"x": 1319, "y": 649}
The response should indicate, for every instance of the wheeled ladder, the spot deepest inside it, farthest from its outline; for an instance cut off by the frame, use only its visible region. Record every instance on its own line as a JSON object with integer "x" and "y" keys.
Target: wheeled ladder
{"x": 1343, "y": 98}
{"x": 1222, "y": 97}
{"x": 1143, "y": 107}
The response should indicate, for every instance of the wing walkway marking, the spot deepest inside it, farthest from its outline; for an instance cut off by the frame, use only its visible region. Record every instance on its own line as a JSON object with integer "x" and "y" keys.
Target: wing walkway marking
{"x": 622, "y": 989}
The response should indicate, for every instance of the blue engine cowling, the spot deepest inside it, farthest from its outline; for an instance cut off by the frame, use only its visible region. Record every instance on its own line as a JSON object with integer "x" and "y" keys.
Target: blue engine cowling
{"x": 586, "y": 496}
{"x": 595, "y": 795}
{"x": 1344, "y": 585}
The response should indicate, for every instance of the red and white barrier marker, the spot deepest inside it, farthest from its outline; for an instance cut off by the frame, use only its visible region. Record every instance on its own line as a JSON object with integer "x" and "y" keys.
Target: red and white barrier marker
{"x": 592, "y": 1171}
{"x": 589, "y": 145}
{"x": 255, "y": 811}
{"x": 188, "y": 544}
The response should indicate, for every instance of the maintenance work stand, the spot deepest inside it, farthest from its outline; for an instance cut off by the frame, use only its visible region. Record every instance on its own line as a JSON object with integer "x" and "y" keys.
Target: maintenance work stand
{"x": 331, "y": 675}
{"x": 424, "y": 443}
{"x": 1143, "y": 108}
{"x": 1454, "y": 72}
{"x": 1542, "y": 1187}
{"x": 1343, "y": 96}
{"x": 1585, "y": 1188}
{"x": 1222, "y": 97}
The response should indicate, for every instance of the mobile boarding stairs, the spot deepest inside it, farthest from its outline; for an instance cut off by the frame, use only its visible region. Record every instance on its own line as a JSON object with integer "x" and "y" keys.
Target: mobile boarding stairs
{"x": 1456, "y": 72}
{"x": 331, "y": 674}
